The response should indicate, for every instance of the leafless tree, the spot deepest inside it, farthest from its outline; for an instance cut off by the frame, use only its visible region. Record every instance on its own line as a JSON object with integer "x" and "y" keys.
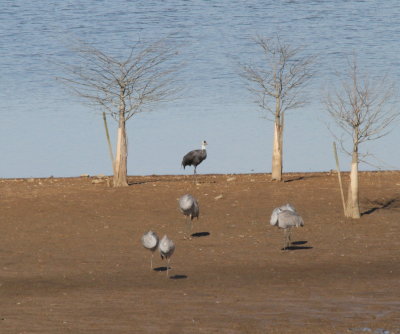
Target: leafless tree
{"x": 123, "y": 88}
{"x": 363, "y": 109}
{"x": 278, "y": 86}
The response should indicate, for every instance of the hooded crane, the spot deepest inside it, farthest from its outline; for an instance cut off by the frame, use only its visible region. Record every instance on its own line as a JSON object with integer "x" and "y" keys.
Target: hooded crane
{"x": 286, "y": 217}
{"x": 195, "y": 157}
{"x": 166, "y": 248}
{"x": 190, "y": 209}
{"x": 150, "y": 242}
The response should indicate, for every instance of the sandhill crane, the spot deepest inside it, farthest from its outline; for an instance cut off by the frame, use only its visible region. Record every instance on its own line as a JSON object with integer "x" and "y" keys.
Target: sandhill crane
{"x": 195, "y": 157}
{"x": 167, "y": 248}
{"x": 150, "y": 242}
{"x": 190, "y": 209}
{"x": 286, "y": 217}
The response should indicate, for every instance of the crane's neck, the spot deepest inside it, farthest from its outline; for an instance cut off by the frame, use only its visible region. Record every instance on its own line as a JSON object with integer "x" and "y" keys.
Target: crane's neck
{"x": 203, "y": 147}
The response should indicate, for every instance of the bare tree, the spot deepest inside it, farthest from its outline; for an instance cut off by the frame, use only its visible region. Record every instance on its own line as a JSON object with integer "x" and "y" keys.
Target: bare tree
{"x": 363, "y": 109}
{"x": 278, "y": 85}
{"x": 123, "y": 88}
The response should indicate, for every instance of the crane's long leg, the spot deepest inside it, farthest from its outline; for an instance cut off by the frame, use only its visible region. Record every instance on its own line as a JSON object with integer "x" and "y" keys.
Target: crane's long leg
{"x": 151, "y": 261}
{"x": 186, "y": 228}
{"x": 168, "y": 267}
{"x": 284, "y": 239}
{"x": 189, "y": 227}
{"x": 288, "y": 237}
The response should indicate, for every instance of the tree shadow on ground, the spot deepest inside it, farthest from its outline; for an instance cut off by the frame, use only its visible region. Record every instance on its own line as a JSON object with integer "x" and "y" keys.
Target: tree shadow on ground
{"x": 155, "y": 179}
{"x": 293, "y": 178}
{"x": 382, "y": 204}
{"x": 152, "y": 179}
{"x": 299, "y": 178}
{"x": 200, "y": 234}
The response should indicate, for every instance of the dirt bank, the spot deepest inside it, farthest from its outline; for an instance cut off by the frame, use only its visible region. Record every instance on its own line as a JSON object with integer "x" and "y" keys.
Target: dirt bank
{"x": 71, "y": 259}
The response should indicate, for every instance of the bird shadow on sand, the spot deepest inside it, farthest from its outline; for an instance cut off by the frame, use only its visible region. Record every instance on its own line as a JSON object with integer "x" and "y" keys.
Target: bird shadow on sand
{"x": 296, "y": 245}
{"x": 161, "y": 269}
{"x": 178, "y": 277}
{"x": 200, "y": 234}
{"x": 171, "y": 277}
{"x": 299, "y": 243}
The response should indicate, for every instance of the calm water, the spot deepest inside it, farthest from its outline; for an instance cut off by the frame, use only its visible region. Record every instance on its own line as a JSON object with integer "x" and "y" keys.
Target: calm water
{"x": 45, "y": 131}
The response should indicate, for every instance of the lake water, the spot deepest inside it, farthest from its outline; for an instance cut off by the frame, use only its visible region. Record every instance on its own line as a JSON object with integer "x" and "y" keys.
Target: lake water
{"x": 44, "y": 130}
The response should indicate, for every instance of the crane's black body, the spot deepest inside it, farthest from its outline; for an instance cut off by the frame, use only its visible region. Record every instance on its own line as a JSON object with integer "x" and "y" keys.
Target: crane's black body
{"x": 195, "y": 157}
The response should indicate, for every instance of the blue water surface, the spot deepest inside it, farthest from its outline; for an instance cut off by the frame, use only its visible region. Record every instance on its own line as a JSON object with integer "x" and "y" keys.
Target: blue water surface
{"x": 45, "y": 130}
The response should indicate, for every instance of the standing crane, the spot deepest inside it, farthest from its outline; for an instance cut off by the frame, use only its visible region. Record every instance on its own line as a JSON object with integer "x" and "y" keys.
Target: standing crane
{"x": 286, "y": 217}
{"x": 166, "y": 248}
{"x": 189, "y": 207}
{"x": 195, "y": 157}
{"x": 150, "y": 242}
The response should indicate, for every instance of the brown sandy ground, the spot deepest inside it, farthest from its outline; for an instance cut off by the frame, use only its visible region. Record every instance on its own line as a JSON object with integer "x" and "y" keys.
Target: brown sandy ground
{"x": 71, "y": 259}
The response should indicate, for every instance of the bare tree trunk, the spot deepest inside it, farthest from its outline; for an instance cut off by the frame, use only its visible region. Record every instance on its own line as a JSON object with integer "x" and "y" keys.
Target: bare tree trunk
{"x": 353, "y": 208}
{"x": 340, "y": 178}
{"x": 110, "y": 151}
{"x": 120, "y": 165}
{"x": 277, "y": 154}
{"x": 277, "y": 150}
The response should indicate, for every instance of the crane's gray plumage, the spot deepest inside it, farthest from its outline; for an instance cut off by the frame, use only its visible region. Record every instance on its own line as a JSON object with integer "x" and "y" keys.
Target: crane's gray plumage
{"x": 150, "y": 242}
{"x": 286, "y": 217}
{"x": 195, "y": 157}
{"x": 275, "y": 212}
{"x": 189, "y": 207}
{"x": 166, "y": 248}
